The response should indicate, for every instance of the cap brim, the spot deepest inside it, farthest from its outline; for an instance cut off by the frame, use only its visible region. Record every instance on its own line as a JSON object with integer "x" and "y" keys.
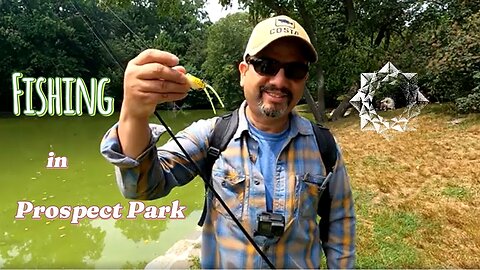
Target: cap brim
{"x": 310, "y": 52}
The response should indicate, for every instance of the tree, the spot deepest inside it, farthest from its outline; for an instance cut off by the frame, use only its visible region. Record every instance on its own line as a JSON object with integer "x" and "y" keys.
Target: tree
{"x": 226, "y": 43}
{"x": 40, "y": 39}
{"x": 88, "y": 39}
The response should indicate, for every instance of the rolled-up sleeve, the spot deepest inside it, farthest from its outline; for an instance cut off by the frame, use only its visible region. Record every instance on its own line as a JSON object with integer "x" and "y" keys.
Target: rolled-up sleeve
{"x": 340, "y": 247}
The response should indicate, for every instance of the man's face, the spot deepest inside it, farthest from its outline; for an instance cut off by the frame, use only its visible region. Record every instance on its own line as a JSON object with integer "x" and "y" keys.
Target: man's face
{"x": 274, "y": 96}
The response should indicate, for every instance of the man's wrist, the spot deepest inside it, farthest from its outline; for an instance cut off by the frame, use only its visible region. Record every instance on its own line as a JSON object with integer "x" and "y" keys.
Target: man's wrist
{"x": 134, "y": 135}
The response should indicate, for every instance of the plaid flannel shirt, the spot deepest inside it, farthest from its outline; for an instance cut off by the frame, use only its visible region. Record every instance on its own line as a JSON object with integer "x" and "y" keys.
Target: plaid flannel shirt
{"x": 299, "y": 172}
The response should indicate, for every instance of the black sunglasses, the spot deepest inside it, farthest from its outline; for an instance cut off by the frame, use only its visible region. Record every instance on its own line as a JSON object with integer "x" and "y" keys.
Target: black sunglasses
{"x": 270, "y": 67}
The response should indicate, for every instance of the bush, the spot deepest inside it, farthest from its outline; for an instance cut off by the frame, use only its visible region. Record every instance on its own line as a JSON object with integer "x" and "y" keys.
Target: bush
{"x": 470, "y": 103}
{"x": 454, "y": 57}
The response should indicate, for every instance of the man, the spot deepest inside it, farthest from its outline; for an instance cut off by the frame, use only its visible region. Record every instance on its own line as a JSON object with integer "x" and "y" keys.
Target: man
{"x": 272, "y": 164}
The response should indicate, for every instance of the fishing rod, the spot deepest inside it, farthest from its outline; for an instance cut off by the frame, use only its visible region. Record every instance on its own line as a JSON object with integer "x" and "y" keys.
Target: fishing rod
{"x": 189, "y": 158}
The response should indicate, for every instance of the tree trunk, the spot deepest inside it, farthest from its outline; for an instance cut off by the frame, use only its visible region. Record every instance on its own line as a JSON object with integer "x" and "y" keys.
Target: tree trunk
{"x": 345, "y": 104}
{"x": 313, "y": 106}
{"x": 387, "y": 39}
{"x": 380, "y": 35}
{"x": 349, "y": 11}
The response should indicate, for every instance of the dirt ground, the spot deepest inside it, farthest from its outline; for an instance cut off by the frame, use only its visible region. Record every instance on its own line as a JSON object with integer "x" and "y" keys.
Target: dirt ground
{"x": 432, "y": 174}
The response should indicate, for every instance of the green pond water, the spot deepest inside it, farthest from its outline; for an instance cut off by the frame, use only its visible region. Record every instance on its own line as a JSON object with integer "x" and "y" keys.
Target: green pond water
{"x": 88, "y": 180}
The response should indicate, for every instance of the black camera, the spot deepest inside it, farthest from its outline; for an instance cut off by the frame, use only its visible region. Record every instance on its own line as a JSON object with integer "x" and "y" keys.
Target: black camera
{"x": 270, "y": 225}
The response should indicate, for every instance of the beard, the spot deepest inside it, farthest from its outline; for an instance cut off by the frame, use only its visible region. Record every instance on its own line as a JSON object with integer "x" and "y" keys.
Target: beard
{"x": 274, "y": 110}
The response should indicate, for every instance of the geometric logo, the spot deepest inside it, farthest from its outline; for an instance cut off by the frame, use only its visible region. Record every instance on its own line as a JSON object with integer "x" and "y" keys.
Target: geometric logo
{"x": 392, "y": 87}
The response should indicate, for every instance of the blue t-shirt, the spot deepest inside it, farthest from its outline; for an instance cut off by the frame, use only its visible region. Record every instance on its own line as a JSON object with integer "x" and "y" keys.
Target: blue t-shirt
{"x": 269, "y": 148}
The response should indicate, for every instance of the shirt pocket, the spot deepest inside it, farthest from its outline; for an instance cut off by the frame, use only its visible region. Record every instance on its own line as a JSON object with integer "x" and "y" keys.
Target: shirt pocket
{"x": 230, "y": 185}
{"x": 308, "y": 191}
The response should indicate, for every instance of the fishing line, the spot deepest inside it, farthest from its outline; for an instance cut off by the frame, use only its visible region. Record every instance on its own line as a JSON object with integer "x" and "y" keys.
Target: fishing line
{"x": 90, "y": 25}
{"x": 187, "y": 156}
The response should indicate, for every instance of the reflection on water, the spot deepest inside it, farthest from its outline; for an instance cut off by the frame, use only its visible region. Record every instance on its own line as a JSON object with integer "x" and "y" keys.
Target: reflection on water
{"x": 91, "y": 244}
{"x": 50, "y": 243}
{"x": 138, "y": 248}
{"x": 89, "y": 180}
{"x": 140, "y": 230}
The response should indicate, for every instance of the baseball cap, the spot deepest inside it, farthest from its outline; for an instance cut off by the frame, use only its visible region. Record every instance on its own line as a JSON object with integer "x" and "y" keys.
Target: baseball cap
{"x": 271, "y": 29}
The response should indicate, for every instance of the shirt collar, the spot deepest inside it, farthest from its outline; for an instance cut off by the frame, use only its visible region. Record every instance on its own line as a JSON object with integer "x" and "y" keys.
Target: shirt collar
{"x": 297, "y": 123}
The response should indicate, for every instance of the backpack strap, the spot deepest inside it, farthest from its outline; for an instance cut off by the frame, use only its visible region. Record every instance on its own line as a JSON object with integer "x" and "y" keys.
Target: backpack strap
{"x": 222, "y": 133}
{"x": 328, "y": 151}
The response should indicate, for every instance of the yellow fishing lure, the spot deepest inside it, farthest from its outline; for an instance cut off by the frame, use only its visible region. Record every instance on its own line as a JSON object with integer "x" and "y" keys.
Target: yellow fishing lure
{"x": 198, "y": 84}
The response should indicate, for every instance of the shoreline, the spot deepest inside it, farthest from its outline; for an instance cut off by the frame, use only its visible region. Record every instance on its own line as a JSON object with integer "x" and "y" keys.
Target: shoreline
{"x": 180, "y": 254}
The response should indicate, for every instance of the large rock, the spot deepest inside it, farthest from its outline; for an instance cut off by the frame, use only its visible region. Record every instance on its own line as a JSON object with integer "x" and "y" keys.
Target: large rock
{"x": 179, "y": 255}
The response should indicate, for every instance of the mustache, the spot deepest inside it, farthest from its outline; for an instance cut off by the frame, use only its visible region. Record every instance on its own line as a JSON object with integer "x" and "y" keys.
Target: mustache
{"x": 271, "y": 87}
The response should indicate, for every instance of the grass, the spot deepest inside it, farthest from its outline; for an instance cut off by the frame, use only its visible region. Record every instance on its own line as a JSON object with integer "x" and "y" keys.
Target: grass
{"x": 195, "y": 262}
{"x": 416, "y": 194}
{"x": 391, "y": 232}
{"x": 457, "y": 192}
